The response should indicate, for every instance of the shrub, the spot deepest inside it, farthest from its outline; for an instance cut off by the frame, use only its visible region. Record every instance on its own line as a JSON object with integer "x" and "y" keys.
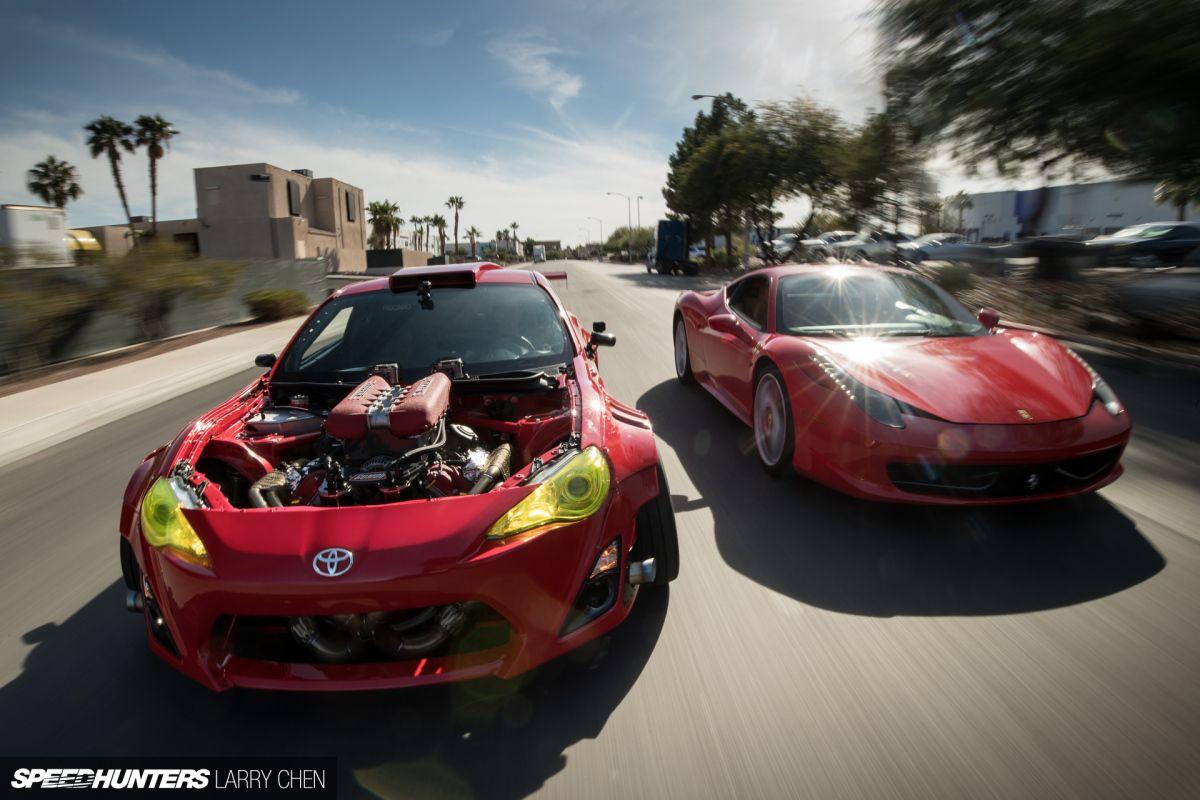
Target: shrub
{"x": 951, "y": 276}
{"x": 273, "y": 304}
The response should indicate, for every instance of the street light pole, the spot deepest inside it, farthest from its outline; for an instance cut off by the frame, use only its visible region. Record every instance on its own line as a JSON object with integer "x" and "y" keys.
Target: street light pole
{"x": 628, "y": 224}
{"x": 639, "y": 208}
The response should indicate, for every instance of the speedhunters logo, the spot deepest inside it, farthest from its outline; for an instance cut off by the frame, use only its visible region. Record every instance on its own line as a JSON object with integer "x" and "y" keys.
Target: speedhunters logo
{"x": 76, "y": 778}
{"x": 224, "y": 777}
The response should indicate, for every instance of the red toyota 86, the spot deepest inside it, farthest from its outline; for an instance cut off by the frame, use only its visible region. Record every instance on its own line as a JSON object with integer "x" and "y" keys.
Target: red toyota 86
{"x": 430, "y": 483}
{"x": 878, "y": 383}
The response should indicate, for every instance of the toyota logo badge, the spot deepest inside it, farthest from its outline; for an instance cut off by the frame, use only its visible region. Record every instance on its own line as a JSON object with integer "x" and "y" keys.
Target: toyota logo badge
{"x": 333, "y": 561}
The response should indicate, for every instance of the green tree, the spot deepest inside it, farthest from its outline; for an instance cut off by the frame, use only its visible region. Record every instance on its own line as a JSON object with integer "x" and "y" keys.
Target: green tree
{"x": 108, "y": 137}
{"x": 642, "y": 240}
{"x": 384, "y": 219}
{"x": 54, "y": 181}
{"x": 1050, "y": 84}
{"x": 1180, "y": 193}
{"x": 960, "y": 202}
{"x": 473, "y": 235}
{"x": 153, "y": 132}
{"x": 688, "y": 199}
{"x": 439, "y": 222}
{"x": 810, "y": 140}
{"x": 415, "y": 221}
{"x": 456, "y": 203}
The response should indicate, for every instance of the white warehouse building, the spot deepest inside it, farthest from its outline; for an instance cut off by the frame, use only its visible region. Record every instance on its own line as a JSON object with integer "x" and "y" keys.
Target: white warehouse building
{"x": 1087, "y": 209}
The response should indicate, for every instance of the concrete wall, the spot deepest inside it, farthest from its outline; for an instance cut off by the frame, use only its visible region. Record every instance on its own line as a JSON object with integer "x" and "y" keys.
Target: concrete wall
{"x": 100, "y": 328}
{"x": 116, "y": 241}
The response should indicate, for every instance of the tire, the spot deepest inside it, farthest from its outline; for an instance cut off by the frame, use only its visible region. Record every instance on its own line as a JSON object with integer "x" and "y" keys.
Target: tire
{"x": 683, "y": 355}
{"x": 774, "y": 429}
{"x": 656, "y": 534}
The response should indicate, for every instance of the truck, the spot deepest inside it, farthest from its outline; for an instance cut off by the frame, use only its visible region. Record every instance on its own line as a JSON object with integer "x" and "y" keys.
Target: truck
{"x": 539, "y": 253}
{"x": 33, "y": 236}
{"x": 670, "y": 252}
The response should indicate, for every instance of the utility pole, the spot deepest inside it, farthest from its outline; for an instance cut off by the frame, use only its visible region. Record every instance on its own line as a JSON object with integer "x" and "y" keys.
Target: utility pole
{"x": 628, "y": 224}
{"x": 639, "y": 210}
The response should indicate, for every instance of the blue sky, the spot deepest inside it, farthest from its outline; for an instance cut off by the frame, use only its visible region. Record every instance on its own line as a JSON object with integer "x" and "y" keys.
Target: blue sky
{"x": 531, "y": 111}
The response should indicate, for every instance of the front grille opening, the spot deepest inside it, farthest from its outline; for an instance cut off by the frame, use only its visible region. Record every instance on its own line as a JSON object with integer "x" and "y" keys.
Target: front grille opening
{"x": 1003, "y": 480}
{"x": 368, "y": 638}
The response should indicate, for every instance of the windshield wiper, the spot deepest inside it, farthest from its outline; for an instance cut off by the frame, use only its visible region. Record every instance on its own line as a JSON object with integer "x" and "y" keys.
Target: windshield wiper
{"x": 516, "y": 374}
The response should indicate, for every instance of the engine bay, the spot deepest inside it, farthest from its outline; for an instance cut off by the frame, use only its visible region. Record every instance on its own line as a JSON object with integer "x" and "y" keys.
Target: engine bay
{"x": 383, "y": 441}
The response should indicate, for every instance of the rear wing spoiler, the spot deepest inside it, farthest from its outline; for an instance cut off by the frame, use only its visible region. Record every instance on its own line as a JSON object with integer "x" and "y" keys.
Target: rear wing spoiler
{"x": 554, "y": 276}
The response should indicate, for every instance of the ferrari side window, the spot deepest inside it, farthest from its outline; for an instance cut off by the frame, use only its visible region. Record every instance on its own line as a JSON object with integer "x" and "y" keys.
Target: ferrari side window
{"x": 749, "y": 300}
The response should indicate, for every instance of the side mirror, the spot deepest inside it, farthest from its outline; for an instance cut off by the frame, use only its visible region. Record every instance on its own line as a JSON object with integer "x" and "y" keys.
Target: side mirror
{"x": 601, "y": 339}
{"x": 989, "y": 318}
{"x": 724, "y": 323}
{"x": 599, "y": 327}
{"x": 265, "y": 360}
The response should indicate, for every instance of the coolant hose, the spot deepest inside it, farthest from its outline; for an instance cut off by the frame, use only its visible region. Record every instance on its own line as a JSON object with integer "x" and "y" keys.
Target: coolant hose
{"x": 494, "y": 470}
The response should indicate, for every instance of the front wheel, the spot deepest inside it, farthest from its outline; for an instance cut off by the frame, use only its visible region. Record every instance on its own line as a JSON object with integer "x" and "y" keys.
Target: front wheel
{"x": 774, "y": 431}
{"x": 656, "y": 534}
{"x": 683, "y": 359}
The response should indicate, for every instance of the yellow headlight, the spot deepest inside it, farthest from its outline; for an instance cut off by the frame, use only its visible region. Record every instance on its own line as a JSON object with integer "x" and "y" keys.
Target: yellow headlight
{"x": 164, "y": 525}
{"x": 574, "y": 492}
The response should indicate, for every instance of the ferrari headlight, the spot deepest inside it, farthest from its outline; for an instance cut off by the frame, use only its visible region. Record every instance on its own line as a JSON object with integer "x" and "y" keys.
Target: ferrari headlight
{"x": 575, "y": 490}
{"x": 883, "y": 408}
{"x": 164, "y": 525}
{"x": 1100, "y": 389}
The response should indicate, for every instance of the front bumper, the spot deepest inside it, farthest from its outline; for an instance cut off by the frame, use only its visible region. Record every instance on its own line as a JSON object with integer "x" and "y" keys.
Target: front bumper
{"x": 531, "y": 584}
{"x": 935, "y": 462}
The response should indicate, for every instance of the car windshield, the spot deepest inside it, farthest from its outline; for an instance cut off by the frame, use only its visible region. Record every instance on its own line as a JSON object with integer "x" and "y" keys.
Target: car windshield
{"x": 1144, "y": 231}
{"x": 869, "y": 303}
{"x": 493, "y": 328}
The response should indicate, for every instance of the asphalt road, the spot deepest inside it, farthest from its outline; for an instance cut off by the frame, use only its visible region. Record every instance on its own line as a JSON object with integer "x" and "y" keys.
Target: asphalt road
{"x": 812, "y": 646}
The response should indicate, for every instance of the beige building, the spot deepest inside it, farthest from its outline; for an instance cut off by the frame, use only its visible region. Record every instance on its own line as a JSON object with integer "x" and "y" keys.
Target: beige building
{"x": 260, "y": 211}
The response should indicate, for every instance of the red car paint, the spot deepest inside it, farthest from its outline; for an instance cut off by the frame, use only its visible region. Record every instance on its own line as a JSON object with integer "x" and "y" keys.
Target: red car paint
{"x": 406, "y": 555}
{"x": 1012, "y": 399}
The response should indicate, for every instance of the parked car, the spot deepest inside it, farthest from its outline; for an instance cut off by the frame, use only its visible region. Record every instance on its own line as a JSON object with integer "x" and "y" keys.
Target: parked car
{"x": 878, "y": 383}
{"x": 1150, "y": 244}
{"x": 878, "y": 247}
{"x": 785, "y": 246}
{"x": 985, "y": 259}
{"x": 820, "y": 247}
{"x": 429, "y": 484}
{"x": 931, "y": 247}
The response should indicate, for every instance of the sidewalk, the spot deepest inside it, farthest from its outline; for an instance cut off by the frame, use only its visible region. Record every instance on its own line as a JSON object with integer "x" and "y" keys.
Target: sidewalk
{"x": 41, "y": 417}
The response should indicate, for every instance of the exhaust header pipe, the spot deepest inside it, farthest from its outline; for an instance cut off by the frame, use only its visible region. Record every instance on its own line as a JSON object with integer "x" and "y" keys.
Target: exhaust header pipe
{"x": 642, "y": 572}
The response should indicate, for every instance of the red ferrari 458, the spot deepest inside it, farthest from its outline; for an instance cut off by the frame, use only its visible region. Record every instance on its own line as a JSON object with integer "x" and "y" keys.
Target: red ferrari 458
{"x": 430, "y": 483}
{"x": 878, "y": 383}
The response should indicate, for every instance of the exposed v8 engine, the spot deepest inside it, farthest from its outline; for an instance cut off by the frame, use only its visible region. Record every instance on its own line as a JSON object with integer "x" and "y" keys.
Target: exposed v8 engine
{"x": 382, "y": 443}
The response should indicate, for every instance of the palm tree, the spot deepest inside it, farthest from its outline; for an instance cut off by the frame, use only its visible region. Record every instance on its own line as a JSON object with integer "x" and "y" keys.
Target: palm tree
{"x": 456, "y": 203}
{"x": 427, "y": 220}
{"x": 439, "y": 222}
{"x": 513, "y": 226}
{"x": 108, "y": 136}
{"x": 385, "y": 221}
{"x": 1179, "y": 192}
{"x": 961, "y": 201}
{"x": 415, "y": 221}
{"x": 153, "y": 132}
{"x": 473, "y": 234}
{"x": 54, "y": 181}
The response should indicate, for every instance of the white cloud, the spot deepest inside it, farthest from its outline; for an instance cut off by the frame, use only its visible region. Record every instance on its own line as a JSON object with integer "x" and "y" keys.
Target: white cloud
{"x": 548, "y": 183}
{"x": 533, "y": 70}
{"x": 169, "y": 72}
